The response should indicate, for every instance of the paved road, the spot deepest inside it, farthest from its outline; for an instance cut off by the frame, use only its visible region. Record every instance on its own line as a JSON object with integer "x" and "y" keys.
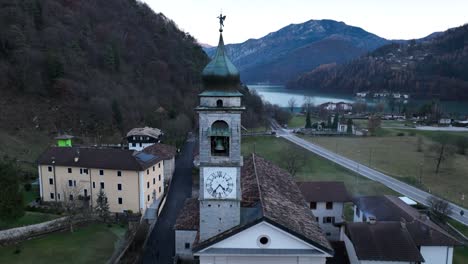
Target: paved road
{"x": 401, "y": 187}
{"x": 161, "y": 244}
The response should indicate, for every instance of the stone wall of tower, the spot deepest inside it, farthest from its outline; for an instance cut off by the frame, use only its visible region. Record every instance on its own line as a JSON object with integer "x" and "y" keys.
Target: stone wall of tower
{"x": 206, "y": 119}
{"x": 217, "y": 216}
{"x": 227, "y": 101}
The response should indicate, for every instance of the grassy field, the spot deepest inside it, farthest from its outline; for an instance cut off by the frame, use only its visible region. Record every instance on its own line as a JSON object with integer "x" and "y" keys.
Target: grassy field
{"x": 398, "y": 157}
{"x": 298, "y": 121}
{"x": 29, "y": 218}
{"x": 314, "y": 167}
{"x": 91, "y": 244}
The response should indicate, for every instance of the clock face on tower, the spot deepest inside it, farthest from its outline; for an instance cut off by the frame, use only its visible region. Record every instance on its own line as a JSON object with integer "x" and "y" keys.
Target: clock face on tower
{"x": 220, "y": 183}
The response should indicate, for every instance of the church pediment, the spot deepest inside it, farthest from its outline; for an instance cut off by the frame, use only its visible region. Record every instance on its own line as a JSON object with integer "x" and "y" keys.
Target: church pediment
{"x": 263, "y": 239}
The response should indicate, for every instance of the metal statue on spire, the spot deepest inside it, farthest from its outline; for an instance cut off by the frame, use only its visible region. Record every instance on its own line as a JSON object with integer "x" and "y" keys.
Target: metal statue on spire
{"x": 221, "y": 22}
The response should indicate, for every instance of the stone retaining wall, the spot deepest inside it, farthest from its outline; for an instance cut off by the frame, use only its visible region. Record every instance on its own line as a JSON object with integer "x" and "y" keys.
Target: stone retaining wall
{"x": 18, "y": 234}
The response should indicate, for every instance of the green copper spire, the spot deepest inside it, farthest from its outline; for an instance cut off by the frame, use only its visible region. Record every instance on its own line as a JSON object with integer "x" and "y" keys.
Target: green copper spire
{"x": 220, "y": 72}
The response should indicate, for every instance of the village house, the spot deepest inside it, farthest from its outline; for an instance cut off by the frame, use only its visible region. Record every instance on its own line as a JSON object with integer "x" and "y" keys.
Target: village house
{"x": 140, "y": 138}
{"x": 167, "y": 153}
{"x": 131, "y": 180}
{"x": 326, "y": 201}
{"x": 386, "y": 228}
{"x": 340, "y": 106}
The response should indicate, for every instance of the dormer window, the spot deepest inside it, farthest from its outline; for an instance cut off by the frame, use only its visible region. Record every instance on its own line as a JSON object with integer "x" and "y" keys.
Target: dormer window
{"x": 219, "y": 103}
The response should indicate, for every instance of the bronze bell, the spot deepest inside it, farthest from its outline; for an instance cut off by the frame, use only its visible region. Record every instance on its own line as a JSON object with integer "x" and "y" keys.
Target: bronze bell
{"x": 219, "y": 145}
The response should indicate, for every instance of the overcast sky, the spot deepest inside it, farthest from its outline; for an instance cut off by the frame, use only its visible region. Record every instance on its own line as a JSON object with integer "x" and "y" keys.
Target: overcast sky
{"x": 391, "y": 19}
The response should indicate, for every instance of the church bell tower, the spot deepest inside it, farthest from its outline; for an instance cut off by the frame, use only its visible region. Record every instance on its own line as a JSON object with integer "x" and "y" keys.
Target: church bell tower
{"x": 219, "y": 114}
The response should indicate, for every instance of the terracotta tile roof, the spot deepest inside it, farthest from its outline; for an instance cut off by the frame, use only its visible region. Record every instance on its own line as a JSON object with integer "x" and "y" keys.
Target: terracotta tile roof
{"x": 274, "y": 196}
{"x": 102, "y": 158}
{"x": 392, "y": 209}
{"x": 383, "y": 241}
{"x": 283, "y": 203}
{"x": 161, "y": 150}
{"x": 188, "y": 218}
{"x": 324, "y": 191}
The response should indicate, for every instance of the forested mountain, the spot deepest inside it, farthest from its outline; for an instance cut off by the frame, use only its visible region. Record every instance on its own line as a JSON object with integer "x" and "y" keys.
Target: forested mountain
{"x": 93, "y": 66}
{"x": 434, "y": 68}
{"x": 297, "y": 48}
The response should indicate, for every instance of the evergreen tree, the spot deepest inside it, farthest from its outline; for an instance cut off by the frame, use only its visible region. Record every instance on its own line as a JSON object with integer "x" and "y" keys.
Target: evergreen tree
{"x": 102, "y": 206}
{"x": 11, "y": 200}
{"x": 308, "y": 122}
{"x": 329, "y": 121}
{"x": 335, "y": 121}
{"x": 349, "y": 126}
{"x": 117, "y": 115}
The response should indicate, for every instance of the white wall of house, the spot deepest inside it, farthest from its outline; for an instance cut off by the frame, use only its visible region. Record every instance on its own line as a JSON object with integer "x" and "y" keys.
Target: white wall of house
{"x": 332, "y": 232}
{"x": 437, "y": 255}
{"x": 358, "y": 215}
{"x": 350, "y": 250}
{"x": 169, "y": 167}
{"x": 260, "y": 260}
{"x": 182, "y": 237}
{"x": 138, "y": 146}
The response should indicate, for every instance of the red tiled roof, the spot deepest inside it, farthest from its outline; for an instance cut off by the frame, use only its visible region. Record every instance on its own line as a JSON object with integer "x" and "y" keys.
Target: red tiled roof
{"x": 324, "y": 191}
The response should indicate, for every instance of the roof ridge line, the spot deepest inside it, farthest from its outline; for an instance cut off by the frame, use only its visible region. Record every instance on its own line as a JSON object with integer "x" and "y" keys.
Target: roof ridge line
{"x": 258, "y": 185}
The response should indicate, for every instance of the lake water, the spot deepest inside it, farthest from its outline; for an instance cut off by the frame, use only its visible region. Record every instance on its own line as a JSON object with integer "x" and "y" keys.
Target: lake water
{"x": 277, "y": 94}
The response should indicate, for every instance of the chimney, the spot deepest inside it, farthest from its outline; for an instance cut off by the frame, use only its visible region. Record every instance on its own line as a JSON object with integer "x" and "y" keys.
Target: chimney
{"x": 403, "y": 223}
{"x": 77, "y": 155}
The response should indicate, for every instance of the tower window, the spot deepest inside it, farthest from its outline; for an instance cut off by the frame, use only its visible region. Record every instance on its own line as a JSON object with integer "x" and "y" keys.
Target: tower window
{"x": 219, "y": 103}
{"x": 219, "y": 134}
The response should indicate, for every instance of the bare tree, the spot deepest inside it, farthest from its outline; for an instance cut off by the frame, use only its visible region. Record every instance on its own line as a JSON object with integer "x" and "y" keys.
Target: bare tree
{"x": 293, "y": 159}
{"x": 439, "y": 208}
{"x": 419, "y": 144}
{"x": 292, "y": 104}
{"x": 441, "y": 151}
{"x": 308, "y": 104}
{"x": 374, "y": 123}
{"x": 73, "y": 203}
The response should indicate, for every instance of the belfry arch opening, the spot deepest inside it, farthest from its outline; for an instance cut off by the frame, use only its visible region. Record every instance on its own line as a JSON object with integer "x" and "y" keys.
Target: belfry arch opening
{"x": 220, "y": 133}
{"x": 219, "y": 103}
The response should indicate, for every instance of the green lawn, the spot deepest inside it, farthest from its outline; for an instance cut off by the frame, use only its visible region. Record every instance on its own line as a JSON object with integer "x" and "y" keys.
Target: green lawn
{"x": 29, "y": 218}
{"x": 298, "y": 121}
{"x": 91, "y": 244}
{"x": 314, "y": 167}
{"x": 398, "y": 156}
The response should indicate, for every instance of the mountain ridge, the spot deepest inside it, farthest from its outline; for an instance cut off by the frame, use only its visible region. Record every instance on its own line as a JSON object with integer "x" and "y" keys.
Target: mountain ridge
{"x": 432, "y": 67}
{"x": 264, "y": 59}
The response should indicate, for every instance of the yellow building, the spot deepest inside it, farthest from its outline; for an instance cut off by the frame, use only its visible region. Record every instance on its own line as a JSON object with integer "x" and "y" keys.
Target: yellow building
{"x": 132, "y": 180}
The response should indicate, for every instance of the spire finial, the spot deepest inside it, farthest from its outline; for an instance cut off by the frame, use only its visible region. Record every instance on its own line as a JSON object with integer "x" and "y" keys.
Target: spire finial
{"x": 221, "y": 21}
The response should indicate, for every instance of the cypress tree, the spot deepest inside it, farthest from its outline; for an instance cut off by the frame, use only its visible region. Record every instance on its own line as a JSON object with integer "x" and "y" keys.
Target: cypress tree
{"x": 335, "y": 121}
{"x": 308, "y": 122}
{"x": 349, "y": 127}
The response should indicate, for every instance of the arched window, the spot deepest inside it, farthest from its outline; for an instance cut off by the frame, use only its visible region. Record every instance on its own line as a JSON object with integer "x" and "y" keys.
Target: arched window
{"x": 219, "y": 103}
{"x": 220, "y": 134}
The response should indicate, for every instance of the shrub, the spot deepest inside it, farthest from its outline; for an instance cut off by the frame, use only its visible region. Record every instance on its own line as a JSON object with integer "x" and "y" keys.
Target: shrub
{"x": 401, "y": 134}
{"x": 27, "y": 187}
